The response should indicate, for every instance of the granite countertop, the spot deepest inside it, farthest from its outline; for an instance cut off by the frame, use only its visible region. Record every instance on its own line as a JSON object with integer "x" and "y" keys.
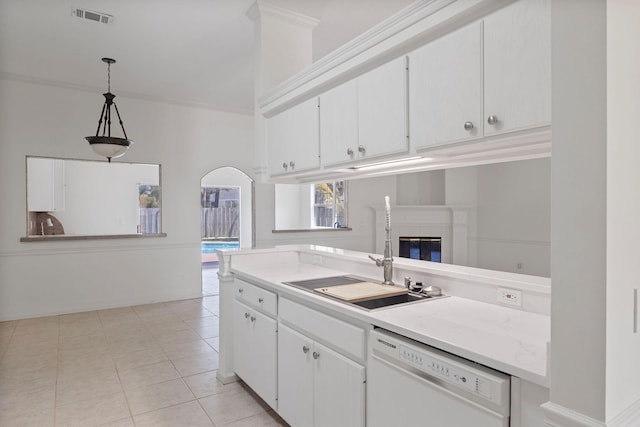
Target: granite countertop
{"x": 509, "y": 340}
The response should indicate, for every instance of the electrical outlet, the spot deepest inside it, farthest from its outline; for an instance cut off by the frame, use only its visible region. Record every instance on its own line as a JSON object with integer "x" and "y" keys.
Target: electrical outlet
{"x": 510, "y": 297}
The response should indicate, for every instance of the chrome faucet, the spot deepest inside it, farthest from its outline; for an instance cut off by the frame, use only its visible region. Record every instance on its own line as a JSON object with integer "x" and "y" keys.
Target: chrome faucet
{"x": 387, "y": 262}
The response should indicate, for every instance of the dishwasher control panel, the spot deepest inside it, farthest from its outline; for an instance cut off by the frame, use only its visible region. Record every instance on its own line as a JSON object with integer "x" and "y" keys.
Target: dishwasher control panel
{"x": 446, "y": 371}
{"x": 480, "y": 381}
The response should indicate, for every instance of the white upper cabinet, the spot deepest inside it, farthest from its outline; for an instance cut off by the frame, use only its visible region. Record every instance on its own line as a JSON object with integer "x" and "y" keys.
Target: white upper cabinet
{"x": 487, "y": 78}
{"x": 339, "y": 124}
{"x": 46, "y": 185}
{"x": 446, "y": 88}
{"x": 293, "y": 139}
{"x": 382, "y": 110}
{"x": 517, "y": 66}
{"x": 365, "y": 117}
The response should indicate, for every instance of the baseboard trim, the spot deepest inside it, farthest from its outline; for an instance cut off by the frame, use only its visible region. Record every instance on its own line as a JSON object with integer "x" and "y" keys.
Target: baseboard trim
{"x": 227, "y": 379}
{"x": 630, "y": 417}
{"x": 558, "y": 416}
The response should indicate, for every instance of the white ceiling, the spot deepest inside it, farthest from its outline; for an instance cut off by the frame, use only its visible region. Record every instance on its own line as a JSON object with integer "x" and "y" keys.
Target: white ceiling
{"x": 198, "y": 52}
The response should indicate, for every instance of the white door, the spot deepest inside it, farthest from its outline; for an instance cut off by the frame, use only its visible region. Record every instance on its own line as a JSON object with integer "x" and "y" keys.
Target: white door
{"x": 382, "y": 110}
{"x": 517, "y": 66}
{"x": 295, "y": 377}
{"x": 445, "y": 95}
{"x": 338, "y": 388}
{"x": 339, "y": 124}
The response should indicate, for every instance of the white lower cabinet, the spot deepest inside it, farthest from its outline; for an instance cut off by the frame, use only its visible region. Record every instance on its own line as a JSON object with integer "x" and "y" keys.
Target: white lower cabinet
{"x": 316, "y": 385}
{"x": 255, "y": 349}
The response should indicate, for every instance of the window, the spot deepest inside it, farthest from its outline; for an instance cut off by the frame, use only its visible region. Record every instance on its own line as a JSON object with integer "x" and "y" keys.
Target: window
{"x": 149, "y": 209}
{"x": 329, "y": 204}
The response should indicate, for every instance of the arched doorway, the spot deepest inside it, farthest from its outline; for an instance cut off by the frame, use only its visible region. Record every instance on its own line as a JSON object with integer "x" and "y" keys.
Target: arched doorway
{"x": 227, "y": 218}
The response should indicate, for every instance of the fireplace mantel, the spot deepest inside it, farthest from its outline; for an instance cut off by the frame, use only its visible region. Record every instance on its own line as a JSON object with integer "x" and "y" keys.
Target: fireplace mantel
{"x": 445, "y": 221}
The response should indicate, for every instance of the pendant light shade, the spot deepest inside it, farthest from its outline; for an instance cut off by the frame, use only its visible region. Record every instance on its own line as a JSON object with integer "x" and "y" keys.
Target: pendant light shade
{"x": 104, "y": 144}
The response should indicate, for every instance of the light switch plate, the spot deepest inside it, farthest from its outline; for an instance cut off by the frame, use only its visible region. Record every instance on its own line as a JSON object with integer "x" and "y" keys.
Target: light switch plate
{"x": 510, "y": 297}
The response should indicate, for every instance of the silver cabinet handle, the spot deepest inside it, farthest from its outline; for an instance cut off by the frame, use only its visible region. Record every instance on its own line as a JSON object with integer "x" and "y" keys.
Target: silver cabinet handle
{"x": 246, "y": 315}
{"x": 361, "y": 149}
{"x": 285, "y": 165}
{"x": 240, "y": 290}
{"x": 349, "y": 152}
{"x": 305, "y": 349}
{"x": 253, "y": 318}
{"x": 492, "y": 120}
{"x": 293, "y": 165}
{"x": 260, "y": 300}
{"x": 316, "y": 355}
{"x": 468, "y": 125}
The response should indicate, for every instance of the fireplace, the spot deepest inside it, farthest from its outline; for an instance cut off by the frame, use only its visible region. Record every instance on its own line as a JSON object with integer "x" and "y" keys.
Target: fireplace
{"x": 422, "y": 248}
{"x": 448, "y": 223}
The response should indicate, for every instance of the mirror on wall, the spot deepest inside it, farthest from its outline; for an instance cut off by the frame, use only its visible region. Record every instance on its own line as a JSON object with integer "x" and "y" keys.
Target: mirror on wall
{"x": 92, "y": 198}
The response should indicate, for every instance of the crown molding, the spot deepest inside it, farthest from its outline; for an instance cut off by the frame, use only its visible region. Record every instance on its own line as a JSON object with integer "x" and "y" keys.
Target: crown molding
{"x": 262, "y": 8}
{"x": 401, "y": 33}
{"x": 123, "y": 94}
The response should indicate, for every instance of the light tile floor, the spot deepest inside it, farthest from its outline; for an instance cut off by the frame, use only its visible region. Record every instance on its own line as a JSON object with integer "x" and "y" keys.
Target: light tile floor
{"x": 148, "y": 365}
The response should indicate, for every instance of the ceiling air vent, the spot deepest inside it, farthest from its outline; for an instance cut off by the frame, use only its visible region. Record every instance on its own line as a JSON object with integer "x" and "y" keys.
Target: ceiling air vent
{"x": 92, "y": 15}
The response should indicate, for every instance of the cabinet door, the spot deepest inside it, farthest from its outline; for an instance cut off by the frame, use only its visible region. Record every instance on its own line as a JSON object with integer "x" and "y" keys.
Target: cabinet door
{"x": 339, "y": 124}
{"x": 382, "y": 110}
{"x": 293, "y": 139}
{"x": 255, "y": 342}
{"x": 45, "y": 184}
{"x": 338, "y": 389}
{"x": 295, "y": 377}
{"x": 517, "y": 66}
{"x": 445, "y": 81}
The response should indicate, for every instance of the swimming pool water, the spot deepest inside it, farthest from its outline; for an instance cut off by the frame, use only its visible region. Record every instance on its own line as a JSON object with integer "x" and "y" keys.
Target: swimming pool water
{"x": 211, "y": 247}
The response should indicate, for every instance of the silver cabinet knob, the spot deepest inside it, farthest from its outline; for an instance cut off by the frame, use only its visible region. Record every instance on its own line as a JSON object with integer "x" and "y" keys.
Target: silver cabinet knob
{"x": 361, "y": 149}
{"x": 293, "y": 165}
{"x": 492, "y": 120}
{"x": 246, "y": 315}
{"x": 468, "y": 125}
{"x": 253, "y": 318}
{"x": 240, "y": 290}
{"x": 305, "y": 349}
{"x": 349, "y": 152}
{"x": 260, "y": 300}
{"x": 316, "y": 355}
{"x": 285, "y": 165}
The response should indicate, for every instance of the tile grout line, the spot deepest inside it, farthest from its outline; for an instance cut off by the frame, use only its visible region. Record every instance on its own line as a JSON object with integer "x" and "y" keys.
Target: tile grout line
{"x": 115, "y": 365}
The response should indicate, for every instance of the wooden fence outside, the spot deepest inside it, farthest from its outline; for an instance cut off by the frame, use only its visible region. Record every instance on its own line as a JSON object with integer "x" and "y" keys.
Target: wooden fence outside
{"x": 220, "y": 222}
{"x": 149, "y": 221}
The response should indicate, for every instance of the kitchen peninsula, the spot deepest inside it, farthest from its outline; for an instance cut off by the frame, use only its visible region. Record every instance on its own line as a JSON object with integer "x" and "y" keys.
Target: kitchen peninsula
{"x": 469, "y": 323}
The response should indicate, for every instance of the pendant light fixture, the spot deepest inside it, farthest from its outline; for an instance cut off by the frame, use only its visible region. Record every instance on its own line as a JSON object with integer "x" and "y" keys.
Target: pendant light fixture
{"x": 106, "y": 145}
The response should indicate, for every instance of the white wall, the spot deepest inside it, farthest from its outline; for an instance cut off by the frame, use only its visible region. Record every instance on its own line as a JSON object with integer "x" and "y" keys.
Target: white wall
{"x": 232, "y": 177}
{"x": 421, "y": 188}
{"x": 513, "y": 217}
{"x": 56, "y": 277}
{"x": 293, "y": 206}
{"x": 103, "y": 198}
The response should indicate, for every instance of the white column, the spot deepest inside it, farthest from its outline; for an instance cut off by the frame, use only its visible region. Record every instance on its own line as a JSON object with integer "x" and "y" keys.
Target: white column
{"x": 283, "y": 47}
{"x": 578, "y": 215}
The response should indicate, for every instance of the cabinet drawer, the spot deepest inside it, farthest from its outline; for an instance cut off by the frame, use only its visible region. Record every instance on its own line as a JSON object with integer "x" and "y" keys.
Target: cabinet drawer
{"x": 341, "y": 335}
{"x": 257, "y": 297}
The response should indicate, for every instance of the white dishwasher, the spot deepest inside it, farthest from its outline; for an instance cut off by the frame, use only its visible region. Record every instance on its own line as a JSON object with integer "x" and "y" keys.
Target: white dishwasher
{"x": 411, "y": 384}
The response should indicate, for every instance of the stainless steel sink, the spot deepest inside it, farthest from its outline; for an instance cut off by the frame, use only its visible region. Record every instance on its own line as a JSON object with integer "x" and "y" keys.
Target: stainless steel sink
{"x": 372, "y": 304}
{"x": 324, "y": 282}
{"x": 369, "y": 304}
